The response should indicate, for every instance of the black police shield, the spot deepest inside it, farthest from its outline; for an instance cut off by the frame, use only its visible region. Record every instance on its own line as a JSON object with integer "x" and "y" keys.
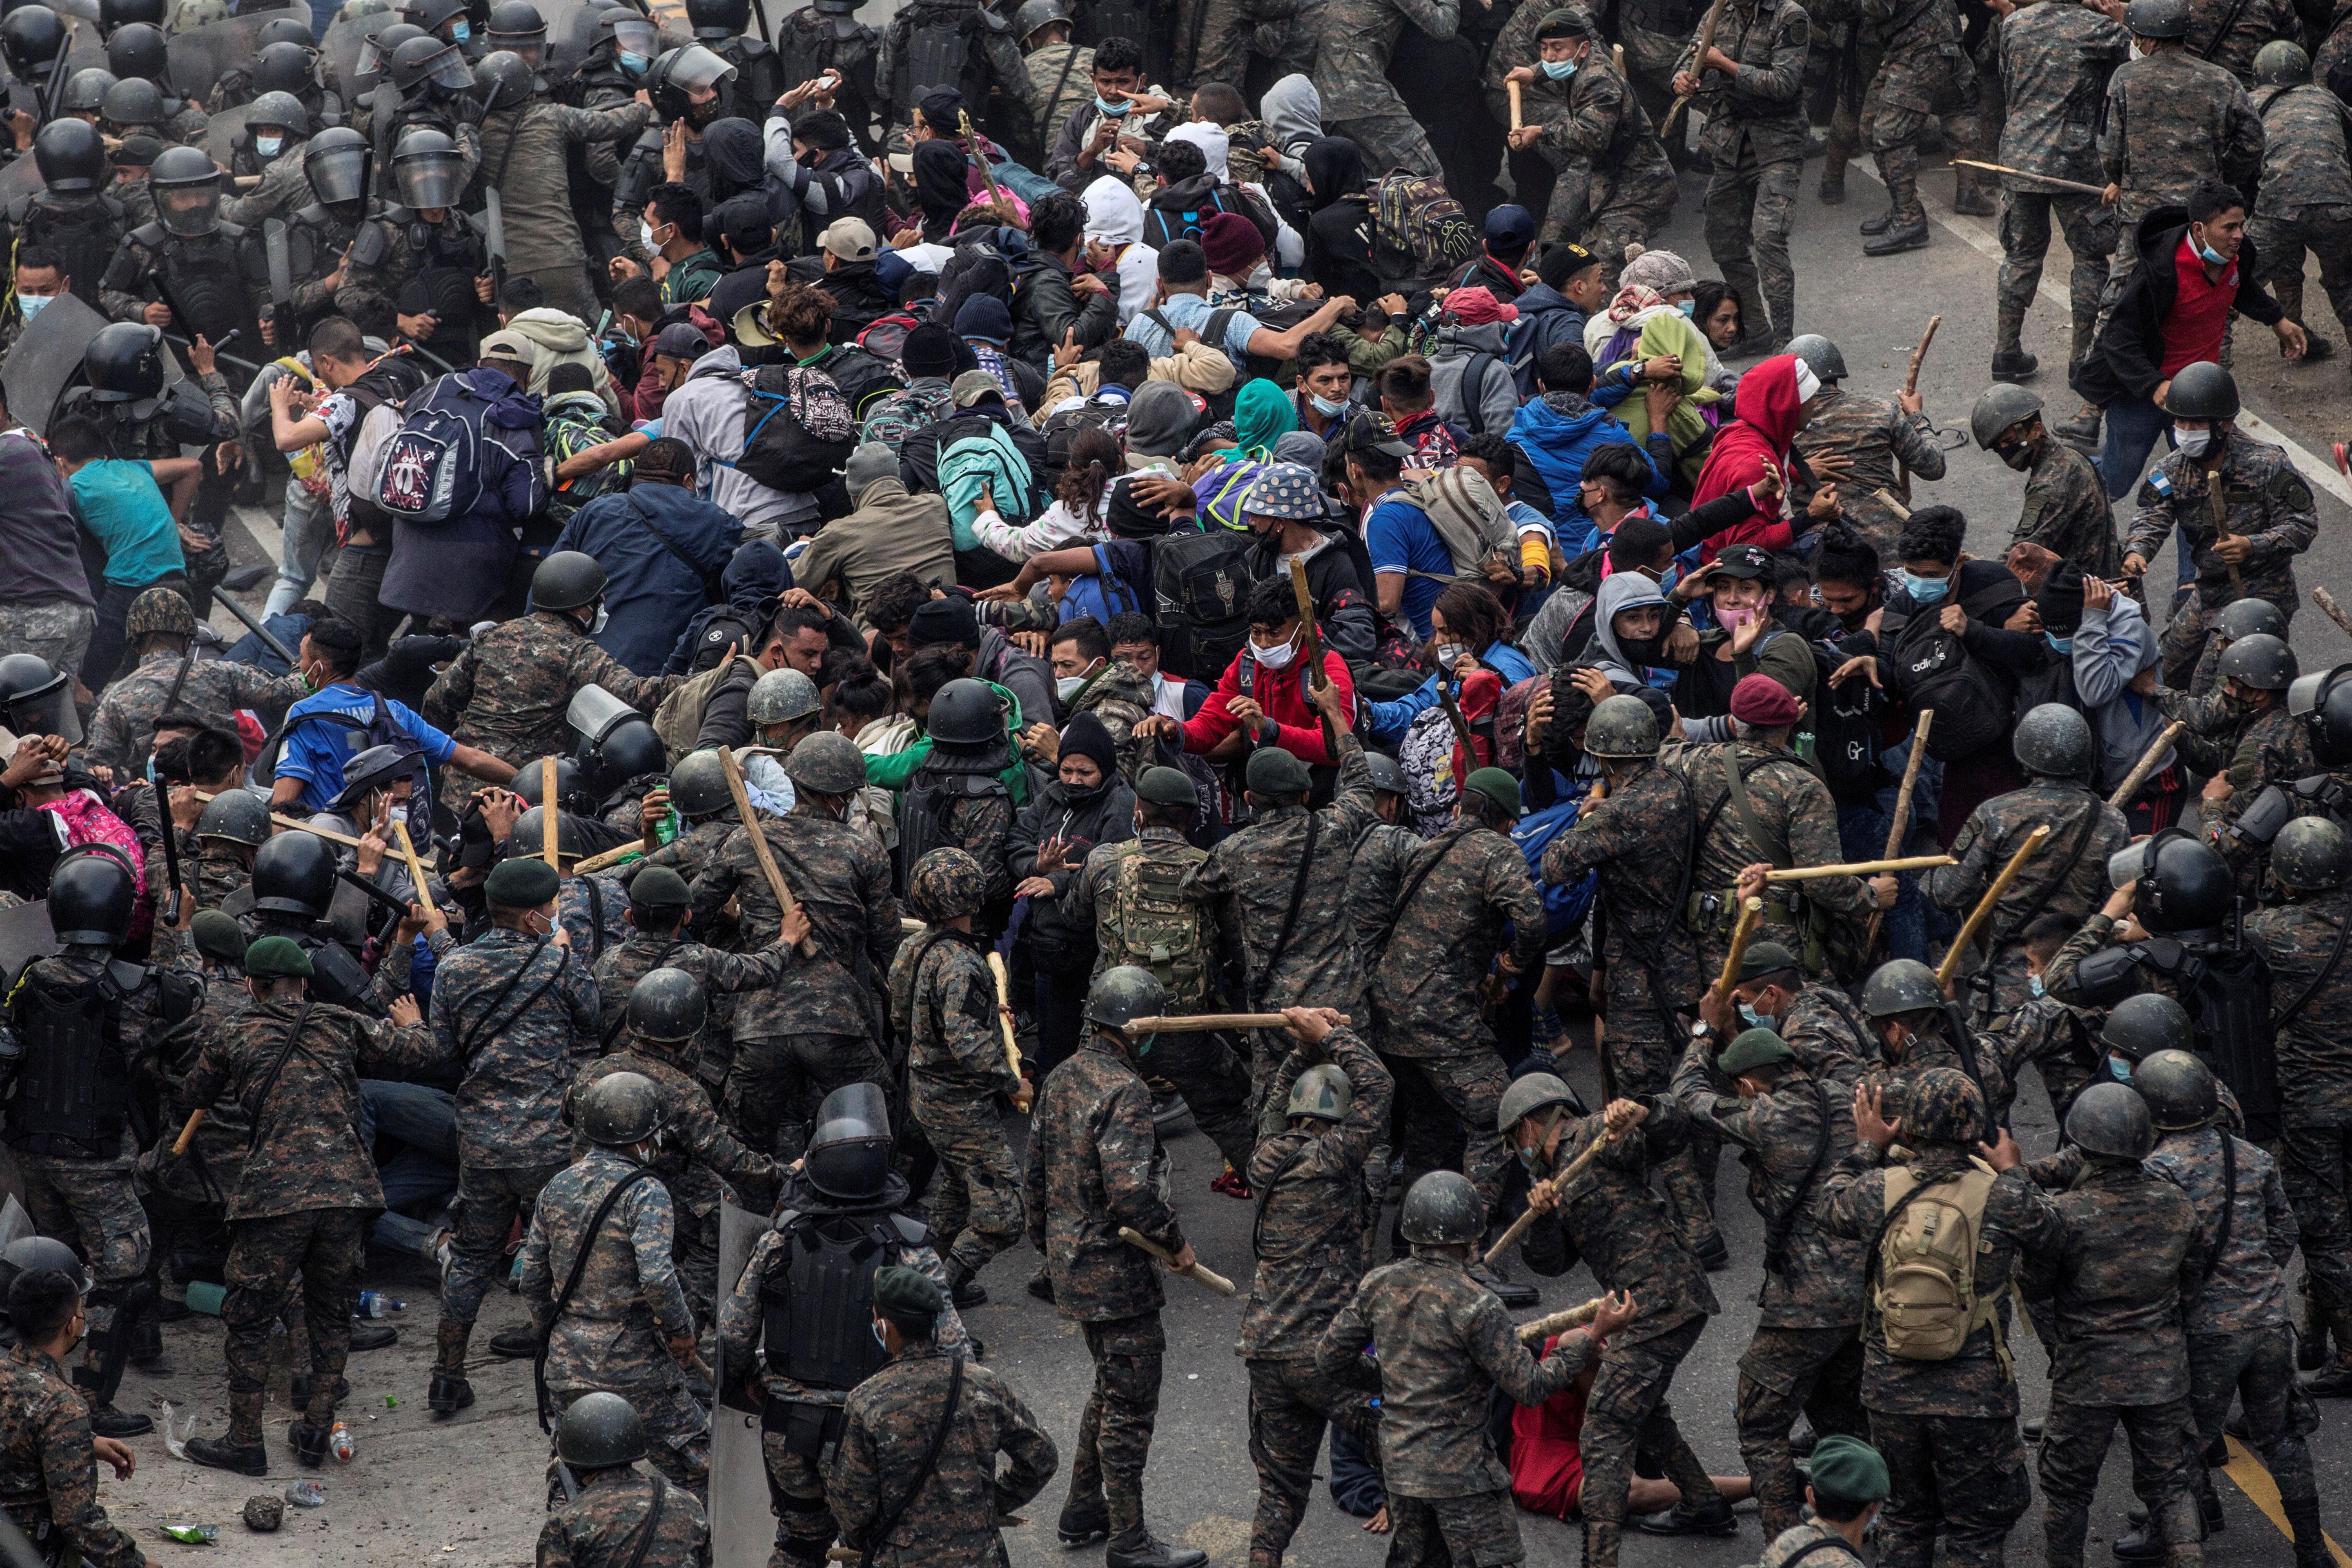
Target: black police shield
{"x": 24, "y": 935}
{"x": 346, "y": 37}
{"x": 22, "y": 177}
{"x": 742, "y": 1527}
{"x": 46, "y": 357}
{"x": 570, "y": 33}
{"x": 200, "y": 55}
{"x": 220, "y": 139}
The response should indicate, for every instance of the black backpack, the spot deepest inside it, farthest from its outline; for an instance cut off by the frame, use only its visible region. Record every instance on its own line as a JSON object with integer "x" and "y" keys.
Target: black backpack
{"x": 1061, "y": 428}
{"x": 1933, "y": 669}
{"x": 864, "y": 377}
{"x": 1847, "y": 721}
{"x": 923, "y": 812}
{"x": 1200, "y": 588}
{"x": 800, "y": 430}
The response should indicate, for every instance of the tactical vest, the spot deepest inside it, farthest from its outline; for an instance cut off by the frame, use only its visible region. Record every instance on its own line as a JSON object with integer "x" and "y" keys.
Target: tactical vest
{"x": 72, "y": 1093}
{"x": 87, "y": 233}
{"x": 811, "y": 43}
{"x": 817, "y": 1307}
{"x": 315, "y": 242}
{"x": 1154, "y": 926}
{"x": 758, "y": 73}
{"x": 206, "y": 280}
{"x": 940, "y": 52}
{"x": 923, "y": 815}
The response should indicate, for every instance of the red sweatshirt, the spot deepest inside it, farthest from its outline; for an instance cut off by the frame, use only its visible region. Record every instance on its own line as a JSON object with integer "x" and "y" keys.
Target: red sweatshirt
{"x": 1300, "y": 729}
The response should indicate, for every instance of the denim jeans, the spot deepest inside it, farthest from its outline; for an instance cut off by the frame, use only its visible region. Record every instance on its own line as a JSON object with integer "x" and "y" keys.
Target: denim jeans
{"x": 309, "y": 527}
{"x": 107, "y": 637}
{"x": 1861, "y": 836}
{"x": 425, "y": 1171}
{"x": 2134, "y": 426}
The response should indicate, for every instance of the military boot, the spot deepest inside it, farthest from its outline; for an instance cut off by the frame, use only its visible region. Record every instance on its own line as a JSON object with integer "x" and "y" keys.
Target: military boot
{"x": 2311, "y": 1339}
{"x": 1601, "y": 1544}
{"x": 964, "y": 1290}
{"x": 1896, "y": 238}
{"x": 449, "y": 1392}
{"x": 1138, "y": 1548}
{"x": 1881, "y": 223}
{"x": 2011, "y": 361}
{"x": 309, "y": 1441}
{"x": 241, "y": 1450}
{"x": 2335, "y": 1381}
{"x": 515, "y": 1345}
{"x": 2310, "y": 1544}
{"x": 2210, "y": 1520}
{"x": 1084, "y": 1520}
{"x": 1833, "y": 188}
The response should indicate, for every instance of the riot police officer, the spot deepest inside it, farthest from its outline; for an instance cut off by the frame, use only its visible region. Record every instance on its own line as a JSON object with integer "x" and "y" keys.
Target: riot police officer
{"x": 425, "y": 254}
{"x": 2324, "y": 702}
{"x": 293, "y": 892}
{"x": 517, "y": 27}
{"x": 960, "y": 44}
{"x": 691, "y": 85}
{"x": 451, "y": 21}
{"x": 137, "y": 51}
{"x": 429, "y": 84}
{"x": 122, "y": 392}
{"x": 284, "y": 60}
{"x": 335, "y": 169}
{"x": 191, "y": 270}
{"x": 115, "y": 15}
{"x": 808, "y": 1291}
{"x": 85, "y": 94}
{"x": 276, "y": 125}
{"x": 74, "y": 217}
{"x": 827, "y": 36}
{"x": 724, "y": 27}
{"x": 33, "y": 38}
{"x": 233, "y": 826}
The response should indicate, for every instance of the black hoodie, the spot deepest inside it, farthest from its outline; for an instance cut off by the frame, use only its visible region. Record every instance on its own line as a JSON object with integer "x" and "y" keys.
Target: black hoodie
{"x": 2124, "y": 362}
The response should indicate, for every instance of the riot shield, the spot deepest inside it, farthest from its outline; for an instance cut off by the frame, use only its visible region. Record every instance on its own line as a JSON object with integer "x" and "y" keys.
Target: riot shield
{"x": 220, "y": 141}
{"x": 742, "y": 1521}
{"x": 571, "y": 29}
{"x": 199, "y": 55}
{"x": 24, "y": 935}
{"x": 85, "y": 9}
{"x": 22, "y": 177}
{"x": 343, "y": 41}
{"x": 16, "y": 1225}
{"x": 47, "y": 358}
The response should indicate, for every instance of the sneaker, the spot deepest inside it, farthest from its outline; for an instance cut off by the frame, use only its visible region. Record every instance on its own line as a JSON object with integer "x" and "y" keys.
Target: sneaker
{"x": 449, "y": 1394}
{"x": 2014, "y": 364}
{"x": 1549, "y": 1030}
{"x": 1233, "y": 1183}
{"x": 515, "y": 1345}
{"x": 1085, "y": 1520}
{"x": 370, "y": 1335}
{"x": 220, "y": 1454}
{"x": 1712, "y": 1518}
{"x": 1895, "y": 241}
{"x": 1141, "y": 1549}
{"x": 106, "y": 1421}
{"x": 1168, "y": 1107}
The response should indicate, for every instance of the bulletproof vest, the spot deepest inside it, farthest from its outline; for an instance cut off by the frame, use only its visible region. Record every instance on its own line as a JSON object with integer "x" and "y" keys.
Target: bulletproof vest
{"x": 591, "y": 199}
{"x": 922, "y": 817}
{"x": 85, "y": 232}
{"x": 72, "y": 1093}
{"x": 2227, "y": 989}
{"x": 315, "y": 241}
{"x": 941, "y": 52}
{"x": 206, "y": 280}
{"x": 758, "y": 73}
{"x": 336, "y": 976}
{"x": 811, "y": 42}
{"x": 447, "y": 258}
{"x": 1122, "y": 19}
{"x": 818, "y": 1298}
{"x": 1160, "y": 929}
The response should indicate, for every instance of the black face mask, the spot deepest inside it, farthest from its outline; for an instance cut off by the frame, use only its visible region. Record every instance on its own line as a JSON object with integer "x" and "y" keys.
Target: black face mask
{"x": 1085, "y": 796}
{"x": 2018, "y": 455}
{"x": 1644, "y": 650}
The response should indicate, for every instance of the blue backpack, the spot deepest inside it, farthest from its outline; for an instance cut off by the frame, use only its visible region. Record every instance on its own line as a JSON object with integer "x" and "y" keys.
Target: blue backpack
{"x": 1563, "y": 906}
{"x": 433, "y": 464}
{"x": 1101, "y": 593}
{"x": 970, "y": 462}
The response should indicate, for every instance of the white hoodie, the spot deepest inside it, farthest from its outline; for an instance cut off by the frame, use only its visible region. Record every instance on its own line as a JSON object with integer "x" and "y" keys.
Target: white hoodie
{"x": 1115, "y": 217}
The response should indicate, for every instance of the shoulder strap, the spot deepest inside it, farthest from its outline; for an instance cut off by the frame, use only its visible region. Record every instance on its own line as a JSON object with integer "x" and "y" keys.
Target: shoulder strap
{"x": 885, "y": 1528}
{"x": 1473, "y": 391}
{"x": 572, "y": 1281}
{"x": 2057, "y": 884}
{"x": 179, "y": 679}
{"x": 1405, "y": 897}
{"x": 711, "y": 587}
{"x": 652, "y": 1526}
{"x": 1289, "y": 916}
{"x": 482, "y": 1024}
{"x": 596, "y": 918}
{"x": 269, "y": 1079}
{"x": 2343, "y": 938}
{"x": 1737, "y": 786}
{"x": 1776, "y": 1233}
{"x": 1790, "y": 1561}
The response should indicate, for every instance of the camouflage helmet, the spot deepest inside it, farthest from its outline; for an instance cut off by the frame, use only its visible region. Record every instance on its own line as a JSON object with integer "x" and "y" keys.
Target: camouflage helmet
{"x": 1820, "y": 355}
{"x": 1943, "y": 1106}
{"x": 828, "y": 763}
{"x": 2261, "y": 661}
{"x": 2054, "y": 740}
{"x": 600, "y": 1432}
{"x": 1622, "y": 726}
{"x": 1036, "y": 14}
{"x": 1997, "y": 407}
{"x": 1532, "y": 1093}
{"x": 2111, "y": 1121}
{"x": 697, "y": 784}
{"x": 1123, "y": 994}
{"x": 2311, "y": 854}
{"x": 2281, "y": 63}
{"x": 2140, "y": 1026}
{"x": 160, "y": 612}
{"x": 236, "y": 815}
{"x": 621, "y": 1109}
{"x": 2245, "y": 618}
{"x": 667, "y": 1006}
{"x": 1900, "y": 986}
{"x": 1442, "y": 1209}
{"x": 2179, "y": 1090}
{"x": 779, "y": 697}
{"x": 945, "y": 883}
{"x": 1321, "y": 1093}
{"x": 1388, "y": 777}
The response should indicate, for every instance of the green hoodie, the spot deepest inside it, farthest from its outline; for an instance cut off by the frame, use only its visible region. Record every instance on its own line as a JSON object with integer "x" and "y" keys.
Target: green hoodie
{"x": 892, "y": 772}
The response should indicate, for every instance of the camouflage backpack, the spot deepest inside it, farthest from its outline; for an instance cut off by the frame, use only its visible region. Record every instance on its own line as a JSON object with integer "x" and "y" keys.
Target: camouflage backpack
{"x": 1421, "y": 233}
{"x": 1154, "y": 926}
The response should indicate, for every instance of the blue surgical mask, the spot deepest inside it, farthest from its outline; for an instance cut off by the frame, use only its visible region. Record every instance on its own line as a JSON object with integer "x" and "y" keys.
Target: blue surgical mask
{"x": 2058, "y": 643}
{"x": 1924, "y": 590}
{"x": 31, "y": 305}
{"x": 1558, "y": 70}
{"x": 1327, "y": 407}
{"x": 1113, "y": 110}
{"x": 878, "y": 1339}
{"x": 150, "y": 769}
{"x": 633, "y": 64}
{"x": 2119, "y": 1070}
{"x": 2211, "y": 256}
{"x": 1752, "y": 1018}
{"x": 2033, "y": 983}
{"x": 1687, "y": 306}
{"x": 269, "y": 146}
{"x": 460, "y": 32}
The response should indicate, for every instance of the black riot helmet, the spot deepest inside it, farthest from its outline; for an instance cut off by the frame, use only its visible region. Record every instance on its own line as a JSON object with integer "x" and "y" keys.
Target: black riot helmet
{"x": 530, "y": 833}
{"x": 376, "y": 52}
{"x": 508, "y": 79}
{"x": 115, "y": 15}
{"x": 186, "y": 185}
{"x": 966, "y": 713}
{"x": 2138, "y": 1026}
{"x": 2324, "y": 702}
{"x": 294, "y": 874}
{"x": 91, "y": 895}
{"x": 848, "y": 1156}
{"x": 627, "y": 750}
{"x": 600, "y": 1432}
{"x": 428, "y": 61}
{"x": 34, "y": 39}
{"x": 434, "y": 14}
{"x": 135, "y": 100}
{"x": 283, "y": 30}
{"x": 2184, "y": 885}
{"x": 124, "y": 363}
{"x": 335, "y": 162}
{"x": 427, "y": 170}
{"x": 85, "y": 94}
{"x": 36, "y": 699}
{"x": 567, "y": 580}
{"x": 279, "y": 108}
{"x": 2178, "y": 1088}
{"x": 719, "y": 18}
{"x": 28, "y": 1253}
{"x": 630, "y": 34}
{"x": 517, "y": 27}
{"x": 2245, "y": 618}
{"x": 571, "y": 793}
{"x": 2202, "y": 390}
{"x": 69, "y": 155}
{"x": 691, "y": 84}
{"x": 668, "y": 1007}
{"x": 621, "y": 1109}
{"x": 137, "y": 50}
{"x": 282, "y": 68}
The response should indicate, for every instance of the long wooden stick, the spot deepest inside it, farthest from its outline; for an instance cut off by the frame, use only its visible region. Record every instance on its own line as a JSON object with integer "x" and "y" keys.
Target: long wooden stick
{"x": 760, "y": 851}
{"x": 415, "y": 866}
{"x": 1537, "y": 1330}
{"x": 547, "y": 809}
{"x": 608, "y": 860}
{"x": 1558, "y": 1184}
{"x": 1860, "y": 869}
{"x": 345, "y": 839}
{"x": 971, "y": 145}
{"x": 2217, "y": 506}
{"x": 1698, "y": 68}
{"x": 2147, "y": 764}
{"x": 1314, "y": 669}
{"x": 1910, "y": 387}
{"x": 1750, "y": 912}
{"x": 1518, "y": 113}
{"x": 2331, "y": 609}
{"x": 1983, "y": 911}
{"x": 1891, "y": 503}
{"x": 1902, "y": 823}
{"x": 188, "y": 1134}
{"x": 1199, "y": 1273}
{"x": 2050, "y": 179}
{"x": 1191, "y": 1023}
{"x": 1004, "y": 1009}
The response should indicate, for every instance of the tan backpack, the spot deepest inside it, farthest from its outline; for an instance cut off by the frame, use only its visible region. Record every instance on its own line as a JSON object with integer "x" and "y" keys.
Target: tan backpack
{"x": 1925, "y": 1296}
{"x": 678, "y": 720}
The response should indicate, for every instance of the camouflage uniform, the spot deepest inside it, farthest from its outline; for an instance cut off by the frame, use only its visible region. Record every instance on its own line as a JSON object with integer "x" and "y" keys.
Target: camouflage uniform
{"x": 1061, "y": 78}
{"x": 1923, "y": 65}
{"x": 1793, "y": 811}
{"x": 2066, "y": 508}
{"x": 122, "y": 731}
{"x": 2305, "y": 200}
{"x": 1310, "y": 1242}
{"x": 506, "y": 690}
{"x": 1806, "y": 1358}
{"x": 1096, "y": 1165}
{"x": 1359, "y": 37}
{"x": 943, "y": 1006}
{"x": 222, "y": 871}
{"x": 2055, "y": 62}
{"x": 816, "y": 1030}
{"x": 601, "y": 1527}
{"x": 721, "y": 976}
{"x": 1445, "y": 1347}
{"x": 1832, "y": 1040}
{"x": 2297, "y": 942}
{"x": 2217, "y": 722}
{"x": 2251, "y": 24}
{"x": 2171, "y": 120}
{"x": 48, "y": 1470}
{"x": 1755, "y": 135}
{"x": 1615, "y": 187}
{"x": 55, "y": 630}
{"x": 589, "y": 908}
{"x": 1785, "y": 1546}
{"x": 2068, "y": 877}
{"x": 2267, "y": 501}
{"x": 1375, "y": 876}
{"x": 893, "y": 1418}
{"x": 2274, "y": 750}
{"x": 689, "y": 852}
{"x": 1877, "y": 437}
{"x": 307, "y": 1184}
{"x": 2049, "y": 1036}
{"x": 1459, "y": 888}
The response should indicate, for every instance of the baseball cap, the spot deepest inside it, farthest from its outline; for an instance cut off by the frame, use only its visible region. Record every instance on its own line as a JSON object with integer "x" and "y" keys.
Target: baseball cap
{"x": 508, "y": 345}
{"x": 850, "y": 238}
{"x": 972, "y": 386}
{"x": 1742, "y": 560}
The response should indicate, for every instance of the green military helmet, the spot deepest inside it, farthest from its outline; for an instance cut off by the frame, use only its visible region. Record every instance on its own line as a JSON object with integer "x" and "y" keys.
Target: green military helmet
{"x": 236, "y": 815}
{"x": 1820, "y": 356}
{"x": 1532, "y": 1094}
{"x": 2311, "y": 854}
{"x": 828, "y": 763}
{"x": 1443, "y": 1210}
{"x": 621, "y": 1109}
{"x": 1997, "y": 407}
{"x": 2179, "y": 1089}
{"x": 567, "y": 580}
{"x": 2281, "y": 63}
{"x": 2202, "y": 390}
{"x": 600, "y": 1432}
{"x": 2053, "y": 742}
{"x": 2111, "y": 1121}
{"x": 531, "y": 834}
{"x": 945, "y": 883}
{"x": 2158, "y": 18}
{"x": 780, "y": 696}
{"x": 1388, "y": 777}
{"x": 697, "y": 785}
{"x": 2140, "y": 1026}
{"x": 1321, "y": 1093}
{"x": 1900, "y": 986}
{"x": 160, "y": 612}
{"x": 1122, "y": 993}
{"x": 668, "y": 1006}
{"x": 2245, "y": 618}
{"x": 1944, "y": 1106}
{"x": 1622, "y": 727}
{"x": 2261, "y": 661}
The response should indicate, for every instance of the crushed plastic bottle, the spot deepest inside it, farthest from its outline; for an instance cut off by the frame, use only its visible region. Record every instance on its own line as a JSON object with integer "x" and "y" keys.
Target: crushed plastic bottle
{"x": 306, "y": 1494}
{"x": 193, "y": 1534}
{"x": 339, "y": 1442}
{"x": 376, "y": 1304}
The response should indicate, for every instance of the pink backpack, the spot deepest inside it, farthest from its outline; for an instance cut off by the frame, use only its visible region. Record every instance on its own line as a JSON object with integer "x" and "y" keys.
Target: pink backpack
{"x": 88, "y": 821}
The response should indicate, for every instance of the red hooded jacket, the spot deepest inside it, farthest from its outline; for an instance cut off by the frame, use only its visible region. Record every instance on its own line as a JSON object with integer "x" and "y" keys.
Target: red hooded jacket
{"x": 1767, "y": 423}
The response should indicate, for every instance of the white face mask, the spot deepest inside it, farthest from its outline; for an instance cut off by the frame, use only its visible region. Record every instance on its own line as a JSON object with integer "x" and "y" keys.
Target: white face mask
{"x": 1067, "y": 686}
{"x": 1275, "y": 657}
{"x": 604, "y": 619}
{"x": 269, "y": 146}
{"x": 1449, "y": 654}
{"x": 2194, "y": 442}
{"x": 645, "y": 236}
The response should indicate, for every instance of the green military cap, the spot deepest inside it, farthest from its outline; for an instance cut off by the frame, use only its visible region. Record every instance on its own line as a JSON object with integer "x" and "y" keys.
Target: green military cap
{"x": 1566, "y": 24}
{"x": 903, "y": 1292}
{"x": 658, "y": 887}
{"x": 218, "y": 936}
{"x": 521, "y": 882}
{"x": 1765, "y": 958}
{"x": 1165, "y": 786}
{"x": 1497, "y": 786}
{"x": 275, "y": 957}
{"x": 1849, "y": 1468}
{"x": 1272, "y": 771}
{"x": 1750, "y": 1049}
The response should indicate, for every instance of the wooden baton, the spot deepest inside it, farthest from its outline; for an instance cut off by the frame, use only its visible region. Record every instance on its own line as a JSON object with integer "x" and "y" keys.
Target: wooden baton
{"x": 1536, "y": 1331}
{"x": 1558, "y": 1184}
{"x": 1314, "y": 651}
{"x": 188, "y": 1134}
{"x": 1698, "y": 67}
{"x": 1910, "y": 387}
{"x": 1199, "y": 1273}
{"x": 1518, "y": 113}
{"x": 1891, "y": 503}
{"x": 2147, "y": 764}
{"x": 345, "y": 839}
{"x": 1902, "y": 823}
{"x": 1951, "y": 967}
{"x": 1194, "y": 1023}
{"x": 1004, "y": 1010}
{"x": 2331, "y": 609}
{"x": 2050, "y": 179}
{"x": 547, "y": 810}
{"x": 1860, "y": 869}
{"x": 785, "y": 904}
{"x": 415, "y": 866}
{"x": 608, "y": 860}
{"x": 1751, "y": 913}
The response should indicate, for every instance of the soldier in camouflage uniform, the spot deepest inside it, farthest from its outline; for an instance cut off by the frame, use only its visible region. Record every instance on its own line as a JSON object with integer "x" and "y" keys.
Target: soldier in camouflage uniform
{"x": 291, "y": 1065}
{"x": 1377, "y": 860}
{"x": 1061, "y": 73}
{"x": 626, "y": 1327}
{"x": 2306, "y": 198}
{"x": 224, "y": 847}
{"x": 1805, "y": 1358}
{"x": 1751, "y": 90}
{"x": 1849, "y": 1483}
{"x": 608, "y": 1507}
{"x": 2065, "y": 511}
{"x": 2172, "y": 119}
{"x": 817, "y": 1030}
{"x": 2054, "y": 63}
{"x": 1308, "y": 1175}
{"x": 186, "y": 1193}
{"x": 1877, "y": 438}
{"x": 511, "y": 1007}
{"x": 2274, "y": 748}
{"x": 1922, "y": 67}
{"x": 160, "y": 630}
{"x": 660, "y": 912}
{"x": 1096, "y": 1166}
{"x": 1359, "y": 37}
{"x": 947, "y": 1512}
{"x": 698, "y": 1161}
{"x": 1615, "y": 187}
{"x": 1914, "y": 1034}
{"x": 1947, "y": 1428}
{"x": 48, "y": 1463}
{"x": 943, "y": 1006}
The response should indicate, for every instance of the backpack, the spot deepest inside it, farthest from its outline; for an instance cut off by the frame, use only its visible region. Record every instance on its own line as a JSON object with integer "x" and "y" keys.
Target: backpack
{"x": 1154, "y": 926}
{"x": 1096, "y": 413}
{"x": 923, "y": 812}
{"x": 1101, "y": 593}
{"x": 1212, "y": 330}
{"x": 1847, "y": 721}
{"x": 1925, "y": 1296}
{"x": 885, "y": 336}
{"x": 1472, "y": 390}
{"x": 1564, "y": 905}
{"x": 803, "y": 433}
{"x": 1200, "y": 589}
{"x": 1162, "y": 227}
{"x": 863, "y": 376}
{"x": 969, "y": 461}
{"x": 433, "y": 468}
{"x": 1934, "y": 669}
{"x": 678, "y": 720}
{"x": 378, "y": 729}
{"x": 1420, "y": 232}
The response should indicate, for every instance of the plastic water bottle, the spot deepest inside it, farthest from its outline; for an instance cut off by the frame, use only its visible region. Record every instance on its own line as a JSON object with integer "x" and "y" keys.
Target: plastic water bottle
{"x": 666, "y": 831}
{"x": 376, "y": 1304}
{"x": 205, "y": 1297}
{"x": 338, "y": 1441}
{"x": 307, "y": 1494}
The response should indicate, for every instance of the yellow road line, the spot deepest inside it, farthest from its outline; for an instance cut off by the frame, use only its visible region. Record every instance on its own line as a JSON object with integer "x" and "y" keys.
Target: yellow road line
{"x": 2264, "y": 1493}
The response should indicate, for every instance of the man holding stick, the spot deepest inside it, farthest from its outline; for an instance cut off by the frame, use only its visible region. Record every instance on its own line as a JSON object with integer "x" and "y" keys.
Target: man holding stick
{"x": 1746, "y": 74}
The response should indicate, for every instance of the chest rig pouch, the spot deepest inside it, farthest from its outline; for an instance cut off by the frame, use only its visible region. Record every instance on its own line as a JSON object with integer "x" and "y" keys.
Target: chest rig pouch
{"x": 73, "y": 1082}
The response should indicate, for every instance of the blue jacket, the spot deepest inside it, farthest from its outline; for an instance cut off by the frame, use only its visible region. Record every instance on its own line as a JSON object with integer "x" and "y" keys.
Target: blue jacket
{"x": 755, "y": 573}
{"x": 650, "y": 590}
{"x": 1558, "y": 442}
{"x": 1545, "y": 317}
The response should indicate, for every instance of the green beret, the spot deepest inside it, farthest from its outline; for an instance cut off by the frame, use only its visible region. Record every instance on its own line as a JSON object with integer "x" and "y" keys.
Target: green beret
{"x": 903, "y": 1292}
{"x": 275, "y": 957}
{"x": 521, "y": 882}
{"x": 1165, "y": 786}
{"x": 1849, "y": 1468}
{"x": 1565, "y": 24}
{"x": 1765, "y": 958}
{"x": 1272, "y": 771}
{"x": 659, "y": 887}
{"x": 1750, "y": 1049}
{"x": 218, "y": 936}
{"x": 1497, "y": 786}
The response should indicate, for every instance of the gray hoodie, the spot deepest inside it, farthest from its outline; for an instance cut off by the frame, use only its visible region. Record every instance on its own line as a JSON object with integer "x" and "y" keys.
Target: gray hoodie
{"x": 2110, "y": 647}
{"x": 705, "y": 412}
{"x": 1457, "y": 349}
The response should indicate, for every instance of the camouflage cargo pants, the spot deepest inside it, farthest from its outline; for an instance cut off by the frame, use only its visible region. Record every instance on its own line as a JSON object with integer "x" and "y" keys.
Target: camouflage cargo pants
{"x": 1627, "y": 1411}
{"x": 2326, "y": 233}
{"x": 55, "y": 631}
{"x": 771, "y": 1076}
{"x": 1289, "y": 1405}
{"x": 2090, "y": 230}
{"x": 1442, "y": 1095}
{"x": 1749, "y": 206}
{"x": 315, "y": 1252}
{"x": 1479, "y": 1530}
{"x": 977, "y": 1212}
{"x": 93, "y": 1205}
{"x": 1213, "y": 38}
{"x": 677, "y": 1427}
{"x": 2315, "y": 1164}
{"x": 1392, "y": 139}
{"x": 1962, "y": 1476}
{"x": 2257, "y": 1366}
{"x": 1215, "y": 1086}
{"x": 2163, "y": 1469}
{"x": 804, "y": 1526}
{"x": 1115, "y": 1433}
{"x": 1785, "y": 1373}
{"x": 489, "y": 1200}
